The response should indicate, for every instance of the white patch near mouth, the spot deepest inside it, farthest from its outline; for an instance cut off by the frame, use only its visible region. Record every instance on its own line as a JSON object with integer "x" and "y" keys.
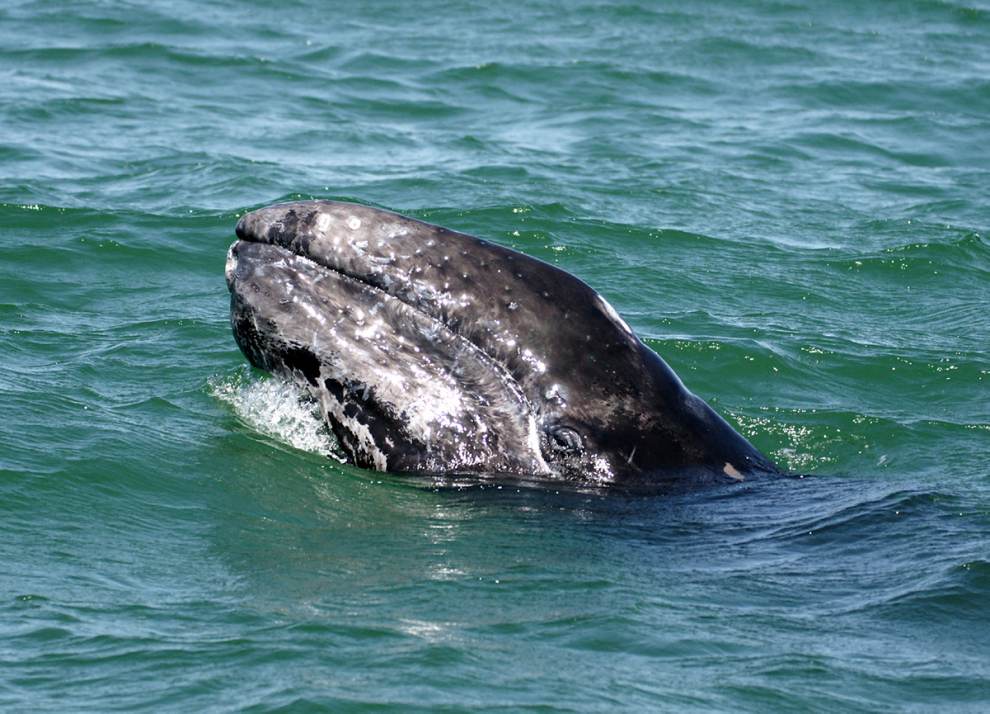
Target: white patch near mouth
{"x": 353, "y": 222}
{"x": 732, "y": 472}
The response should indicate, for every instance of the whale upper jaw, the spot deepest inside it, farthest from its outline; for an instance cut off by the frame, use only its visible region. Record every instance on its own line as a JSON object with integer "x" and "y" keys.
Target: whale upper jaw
{"x": 435, "y": 351}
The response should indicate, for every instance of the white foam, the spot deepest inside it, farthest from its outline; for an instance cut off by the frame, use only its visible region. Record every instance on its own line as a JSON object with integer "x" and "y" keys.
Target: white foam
{"x": 278, "y": 409}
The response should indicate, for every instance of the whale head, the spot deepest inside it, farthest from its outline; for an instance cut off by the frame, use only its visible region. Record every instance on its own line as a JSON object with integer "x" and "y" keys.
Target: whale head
{"x": 433, "y": 351}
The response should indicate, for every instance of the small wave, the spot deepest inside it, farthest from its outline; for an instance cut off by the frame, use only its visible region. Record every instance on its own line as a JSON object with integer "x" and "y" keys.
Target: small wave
{"x": 954, "y": 592}
{"x": 946, "y": 250}
{"x": 278, "y": 409}
{"x": 883, "y": 516}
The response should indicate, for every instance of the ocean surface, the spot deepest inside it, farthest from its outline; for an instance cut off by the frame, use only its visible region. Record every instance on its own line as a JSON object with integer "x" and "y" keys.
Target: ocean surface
{"x": 790, "y": 202}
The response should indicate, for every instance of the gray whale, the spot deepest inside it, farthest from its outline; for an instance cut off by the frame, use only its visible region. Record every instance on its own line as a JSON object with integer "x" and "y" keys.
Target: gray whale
{"x": 436, "y": 352}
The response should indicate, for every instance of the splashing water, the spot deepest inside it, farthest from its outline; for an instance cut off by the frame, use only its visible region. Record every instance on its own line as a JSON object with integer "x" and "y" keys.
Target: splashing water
{"x": 278, "y": 409}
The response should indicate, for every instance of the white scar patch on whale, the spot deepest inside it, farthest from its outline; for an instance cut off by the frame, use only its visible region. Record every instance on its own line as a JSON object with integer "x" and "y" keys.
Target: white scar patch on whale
{"x": 437, "y": 407}
{"x": 392, "y": 230}
{"x": 533, "y": 441}
{"x": 613, "y": 315}
{"x": 732, "y": 472}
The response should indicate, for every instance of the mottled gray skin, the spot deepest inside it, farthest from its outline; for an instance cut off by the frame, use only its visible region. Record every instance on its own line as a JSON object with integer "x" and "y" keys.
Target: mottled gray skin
{"x": 436, "y": 352}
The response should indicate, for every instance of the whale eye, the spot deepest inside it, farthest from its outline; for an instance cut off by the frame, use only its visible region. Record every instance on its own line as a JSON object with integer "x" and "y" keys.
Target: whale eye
{"x": 564, "y": 439}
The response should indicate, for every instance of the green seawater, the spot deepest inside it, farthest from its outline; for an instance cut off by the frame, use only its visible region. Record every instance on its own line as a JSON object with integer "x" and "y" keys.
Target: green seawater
{"x": 789, "y": 201}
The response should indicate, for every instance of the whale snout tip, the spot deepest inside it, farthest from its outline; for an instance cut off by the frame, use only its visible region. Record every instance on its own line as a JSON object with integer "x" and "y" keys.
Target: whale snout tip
{"x": 241, "y": 229}
{"x": 257, "y": 226}
{"x": 253, "y": 225}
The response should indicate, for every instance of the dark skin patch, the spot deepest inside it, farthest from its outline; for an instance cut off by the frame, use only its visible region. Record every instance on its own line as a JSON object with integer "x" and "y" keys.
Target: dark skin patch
{"x": 383, "y": 428}
{"x": 335, "y": 388}
{"x": 304, "y": 361}
{"x": 282, "y": 232}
